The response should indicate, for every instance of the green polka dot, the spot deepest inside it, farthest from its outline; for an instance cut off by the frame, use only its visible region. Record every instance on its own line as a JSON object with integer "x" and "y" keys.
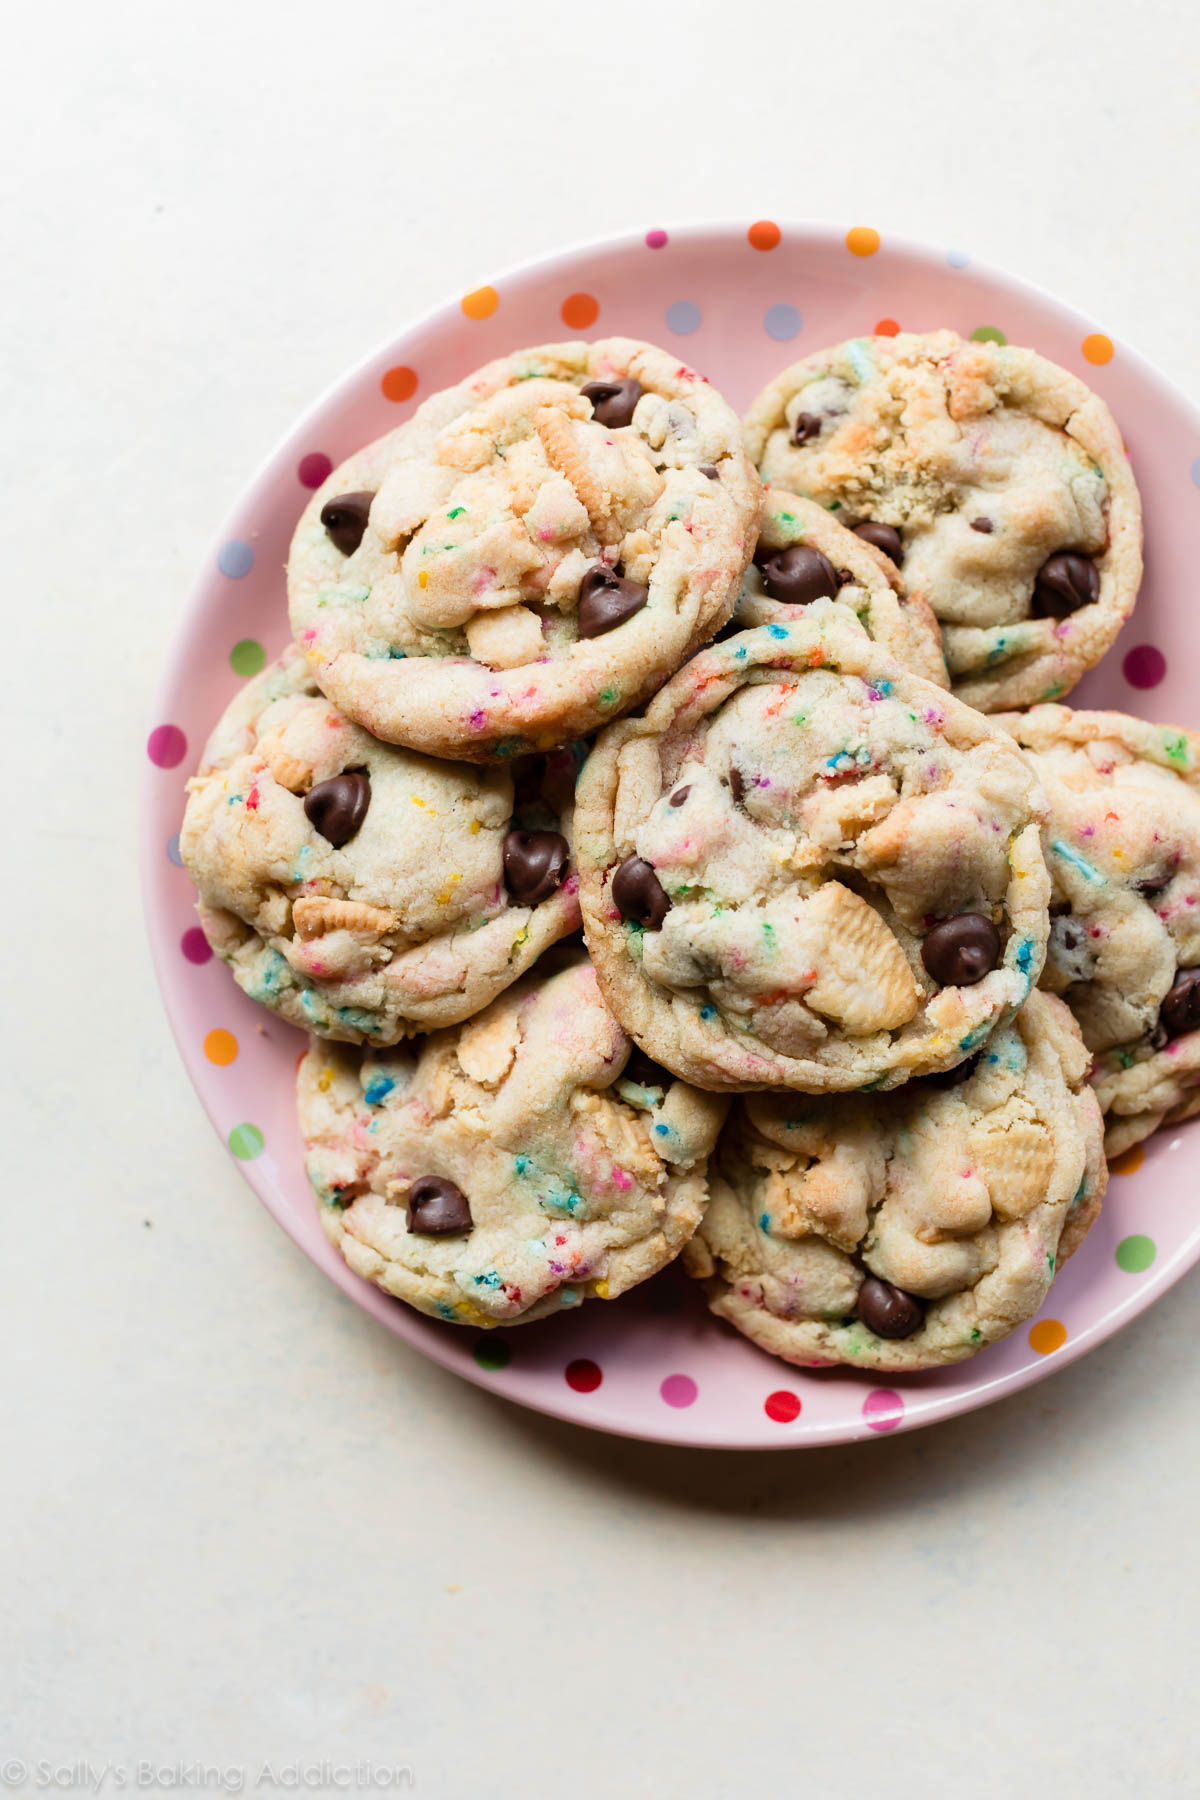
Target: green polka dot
{"x": 248, "y": 657}
{"x": 492, "y": 1353}
{"x": 1135, "y": 1254}
{"x": 988, "y": 334}
{"x": 246, "y": 1142}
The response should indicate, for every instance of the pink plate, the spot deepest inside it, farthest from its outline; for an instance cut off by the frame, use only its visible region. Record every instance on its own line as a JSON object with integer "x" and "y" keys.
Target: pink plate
{"x": 738, "y": 302}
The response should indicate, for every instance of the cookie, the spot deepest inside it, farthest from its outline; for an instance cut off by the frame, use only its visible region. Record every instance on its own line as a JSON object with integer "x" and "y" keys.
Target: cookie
{"x": 996, "y": 480}
{"x": 513, "y": 1166}
{"x": 805, "y": 558}
{"x": 804, "y": 867}
{"x": 531, "y": 554}
{"x": 911, "y": 1230}
{"x": 361, "y": 890}
{"x": 1122, "y": 845}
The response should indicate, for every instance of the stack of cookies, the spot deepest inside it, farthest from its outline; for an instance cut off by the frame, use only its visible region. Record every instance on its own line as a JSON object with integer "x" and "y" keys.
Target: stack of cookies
{"x": 878, "y": 939}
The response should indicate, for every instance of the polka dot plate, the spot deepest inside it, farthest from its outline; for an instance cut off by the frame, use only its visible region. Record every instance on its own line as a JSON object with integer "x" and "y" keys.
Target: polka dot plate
{"x": 737, "y": 302}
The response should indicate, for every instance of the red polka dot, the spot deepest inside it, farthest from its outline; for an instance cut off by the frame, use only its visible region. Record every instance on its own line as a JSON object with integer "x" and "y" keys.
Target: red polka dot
{"x": 783, "y": 1406}
{"x": 195, "y": 945}
{"x": 1144, "y": 666}
{"x": 399, "y": 383}
{"x": 314, "y": 468}
{"x": 579, "y": 311}
{"x": 886, "y": 328}
{"x": 679, "y": 1390}
{"x": 583, "y": 1375}
{"x": 764, "y": 234}
{"x": 166, "y": 746}
{"x": 883, "y": 1409}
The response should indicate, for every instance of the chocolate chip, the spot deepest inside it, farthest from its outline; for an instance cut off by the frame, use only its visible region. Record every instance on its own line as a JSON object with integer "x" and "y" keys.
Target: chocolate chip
{"x": 613, "y": 401}
{"x": 737, "y": 783}
{"x": 984, "y": 525}
{"x": 345, "y": 519}
{"x": 606, "y": 600}
{"x": 437, "y": 1208}
{"x": 961, "y": 950}
{"x": 680, "y": 795}
{"x": 535, "y": 863}
{"x": 884, "y": 537}
{"x": 713, "y": 474}
{"x": 799, "y": 575}
{"x": 808, "y": 425}
{"x": 1065, "y": 582}
{"x": 1180, "y": 1011}
{"x": 645, "y": 1072}
{"x": 337, "y": 807}
{"x": 1154, "y": 884}
{"x": 639, "y": 894}
{"x": 950, "y": 1078}
{"x": 886, "y": 1310}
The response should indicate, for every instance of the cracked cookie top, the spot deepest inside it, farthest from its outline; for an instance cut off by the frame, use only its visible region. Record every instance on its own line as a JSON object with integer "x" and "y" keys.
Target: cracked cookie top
{"x": 997, "y": 482}
{"x": 365, "y": 891}
{"x": 804, "y": 867}
{"x": 530, "y": 555}
{"x": 513, "y": 1166}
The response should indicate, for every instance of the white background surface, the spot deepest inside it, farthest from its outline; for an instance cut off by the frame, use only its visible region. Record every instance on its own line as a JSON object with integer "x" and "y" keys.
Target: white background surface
{"x": 240, "y": 1523}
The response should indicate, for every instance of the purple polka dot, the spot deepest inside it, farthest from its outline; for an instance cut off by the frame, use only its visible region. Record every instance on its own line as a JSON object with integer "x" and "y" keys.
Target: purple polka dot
{"x": 235, "y": 559}
{"x": 957, "y": 259}
{"x": 195, "y": 945}
{"x": 173, "y": 851}
{"x": 166, "y": 746}
{"x": 314, "y": 468}
{"x": 1144, "y": 666}
{"x": 679, "y": 1390}
{"x": 683, "y": 317}
{"x": 655, "y": 240}
{"x": 782, "y": 322}
{"x": 883, "y": 1409}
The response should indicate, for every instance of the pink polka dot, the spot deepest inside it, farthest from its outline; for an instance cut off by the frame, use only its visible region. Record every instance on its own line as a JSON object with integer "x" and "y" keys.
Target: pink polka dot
{"x": 679, "y": 1390}
{"x": 195, "y": 945}
{"x": 1144, "y": 666}
{"x": 883, "y": 1409}
{"x": 583, "y": 1375}
{"x": 314, "y": 468}
{"x": 166, "y": 746}
{"x": 783, "y": 1406}
{"x": 655, "y": 240}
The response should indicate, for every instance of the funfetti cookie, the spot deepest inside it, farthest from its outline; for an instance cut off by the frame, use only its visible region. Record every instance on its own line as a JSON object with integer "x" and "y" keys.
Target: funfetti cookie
{"x": 995, "y": 480}
{"x": 531, "y": 554}
{"x": 513, "y": 1166}
{"x": 365, "y": 891}
{"x": 1122, "y": 845}
{"x": 913, "y": 1229}
{"x": 802, "y": 866}
{"x": 805, "y": 558}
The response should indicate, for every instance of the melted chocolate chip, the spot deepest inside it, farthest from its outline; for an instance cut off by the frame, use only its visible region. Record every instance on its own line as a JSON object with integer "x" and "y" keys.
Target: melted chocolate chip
{"x": 345, "y": 520}
{"x": 884, "y": 537}
{"x": 1154, "y": 884}
{"x": 1180, "y": 1011}
{"x": 606, "y": 600}
{"x": 886, "y": 1310}
{"x": 437, "y": 1208}
{"x": 799, "y": 575}
{"x": 680, "y": 795}
{"x": 984, "y": 525}
{"x": 808, "y": 425}
{"x": 951, "y": 1078}
{"x": 535, "y": 863}
{"x": 639, "y": 894}
{"x": 737, "y": 783}
{"x": 337, "y": 807}
{"x": 613, "y": 401}
{"x": 708, "y": 469}
{"x": 1065, "y": 582}
{"x": 961, "y": 950}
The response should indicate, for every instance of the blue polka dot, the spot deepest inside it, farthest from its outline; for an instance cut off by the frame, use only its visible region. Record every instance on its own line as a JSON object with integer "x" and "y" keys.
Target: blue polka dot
{"x": 683, "y": 317}
{"x": 957, "y": 259}
{"x": 1196, "y": 471}
{"x": 173, "y": 851}
{"x": 783, "y": 322}
{"x": 235, "y": 559}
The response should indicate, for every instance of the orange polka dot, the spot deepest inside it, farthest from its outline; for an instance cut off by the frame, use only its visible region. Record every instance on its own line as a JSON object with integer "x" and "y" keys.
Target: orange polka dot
{"x": 579, "y": 311}
{"x": 220, "y": 1047}
{"x": 399, "y": 383}
{"x": 1097, "y": 348}
{"x": 764, "y": 234}
{"x": 1047, "y": 1335}
{"x": 481, "y": 304}
{"x": 886, "y": 328}
{"x": 862, "y": 240}
{"x": 1129, "y": 1161}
